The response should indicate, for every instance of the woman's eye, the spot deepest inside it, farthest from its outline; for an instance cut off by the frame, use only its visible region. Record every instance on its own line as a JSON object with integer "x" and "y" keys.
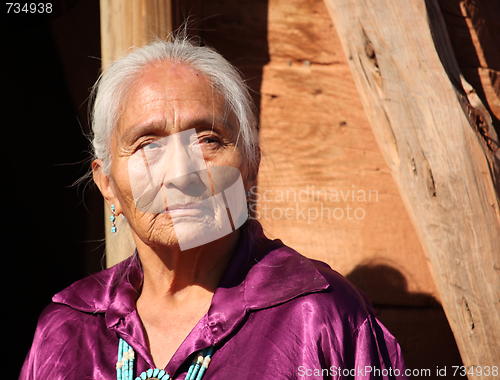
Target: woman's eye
{"x": 153, "y": 145}
{"x": 209, "y": 140}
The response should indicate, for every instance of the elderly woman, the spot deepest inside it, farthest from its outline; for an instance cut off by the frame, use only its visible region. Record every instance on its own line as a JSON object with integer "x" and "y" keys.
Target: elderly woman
{"x": 206, "y": 294}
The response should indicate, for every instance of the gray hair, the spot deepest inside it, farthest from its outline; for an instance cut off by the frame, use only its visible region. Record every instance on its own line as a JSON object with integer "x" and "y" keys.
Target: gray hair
{"x": 118, "y": 80}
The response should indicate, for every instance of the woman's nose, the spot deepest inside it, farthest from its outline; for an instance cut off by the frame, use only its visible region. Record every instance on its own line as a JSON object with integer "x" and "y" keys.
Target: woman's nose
{"x": 182, "y": 164}
{"x": 183, "y": 181}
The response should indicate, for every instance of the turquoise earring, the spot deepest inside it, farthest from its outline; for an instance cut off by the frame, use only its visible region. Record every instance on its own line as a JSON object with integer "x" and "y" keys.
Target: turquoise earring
{"x": 113, "y": 219}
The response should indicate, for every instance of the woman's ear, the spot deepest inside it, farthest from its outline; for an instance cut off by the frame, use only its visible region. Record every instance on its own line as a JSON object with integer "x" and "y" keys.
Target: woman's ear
{"x": 103, "y": 183}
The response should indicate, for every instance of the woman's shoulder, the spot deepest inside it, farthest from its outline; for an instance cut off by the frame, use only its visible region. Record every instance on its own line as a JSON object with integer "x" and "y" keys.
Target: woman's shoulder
{"x": 56, "y": 315}
{"x": 339, "y": 302}
{"x": 63, "y": 339}
{"x": 341, "y": 290}
{"x": 59, "y": 323}
{"x": 95, "y": 293}
{"x": 283, "y": 276}
{"x": 314, "y": 312}
{"x": 82, "y": 303}
{"x": 78, "y": 319}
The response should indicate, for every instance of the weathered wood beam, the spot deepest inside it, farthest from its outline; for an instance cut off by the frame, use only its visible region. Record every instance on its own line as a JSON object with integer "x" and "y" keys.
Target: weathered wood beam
{"x": 128, "y": 24}
{"x": 125, "y": 25}
{"x": 437, "y": 146}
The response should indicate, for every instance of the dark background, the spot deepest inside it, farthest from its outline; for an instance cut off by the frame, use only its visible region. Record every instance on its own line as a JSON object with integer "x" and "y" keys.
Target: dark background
{"x": 52, "y": 231}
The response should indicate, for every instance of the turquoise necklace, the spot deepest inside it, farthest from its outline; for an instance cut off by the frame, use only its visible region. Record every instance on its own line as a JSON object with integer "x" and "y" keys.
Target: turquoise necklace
{"x": 125, "y": 365}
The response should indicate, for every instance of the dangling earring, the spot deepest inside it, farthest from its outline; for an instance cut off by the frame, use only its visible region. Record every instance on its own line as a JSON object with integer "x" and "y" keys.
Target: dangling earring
{"x": 113, "y": 219}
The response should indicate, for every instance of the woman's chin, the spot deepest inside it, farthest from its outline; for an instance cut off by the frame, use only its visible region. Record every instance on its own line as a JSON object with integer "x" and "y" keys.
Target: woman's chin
{"x": 191, "y": 235}
{"x": 186, "y": 229}
{"x": 189, "y": 232}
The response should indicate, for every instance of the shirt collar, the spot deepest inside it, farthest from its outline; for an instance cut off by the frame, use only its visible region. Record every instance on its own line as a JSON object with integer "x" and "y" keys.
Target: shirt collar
{"x": 262, "y": 273}
{"x": 112, "y": 291}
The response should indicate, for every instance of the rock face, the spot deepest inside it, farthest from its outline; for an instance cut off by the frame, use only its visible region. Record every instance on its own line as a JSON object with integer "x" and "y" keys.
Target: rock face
{"x": 324, "y": 188}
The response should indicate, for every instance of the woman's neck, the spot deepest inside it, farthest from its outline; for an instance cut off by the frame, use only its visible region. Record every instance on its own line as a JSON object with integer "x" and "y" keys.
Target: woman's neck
{"x": 171, "y": 274}
{"x": 177, "y": 291}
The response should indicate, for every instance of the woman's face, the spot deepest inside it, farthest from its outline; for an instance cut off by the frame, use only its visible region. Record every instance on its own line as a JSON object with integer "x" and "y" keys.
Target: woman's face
{"x": 175, "y": 160}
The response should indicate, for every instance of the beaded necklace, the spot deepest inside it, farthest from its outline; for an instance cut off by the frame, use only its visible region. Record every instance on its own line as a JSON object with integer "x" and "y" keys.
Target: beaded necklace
{"x": 125, "y": 365}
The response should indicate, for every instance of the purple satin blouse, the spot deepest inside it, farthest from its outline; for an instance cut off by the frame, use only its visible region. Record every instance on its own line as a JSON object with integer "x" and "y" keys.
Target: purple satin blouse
{"x": 274, "y": 315}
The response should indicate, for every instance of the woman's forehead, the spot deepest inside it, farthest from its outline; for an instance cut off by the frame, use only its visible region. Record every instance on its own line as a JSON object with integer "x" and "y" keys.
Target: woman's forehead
{"x": 172, "y": 88}
{"x": 174, "y": 80}
{"x": 170, "y": 92}
{"x": 174, "y": 73}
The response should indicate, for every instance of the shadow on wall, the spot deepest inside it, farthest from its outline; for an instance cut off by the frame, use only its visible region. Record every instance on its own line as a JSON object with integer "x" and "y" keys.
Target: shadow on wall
{"x": 417, "y": 320}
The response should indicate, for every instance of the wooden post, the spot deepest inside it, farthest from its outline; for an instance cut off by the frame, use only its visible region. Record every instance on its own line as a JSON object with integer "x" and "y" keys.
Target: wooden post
{"x": 125, "y": 25}
{"x": 437, "y": 143}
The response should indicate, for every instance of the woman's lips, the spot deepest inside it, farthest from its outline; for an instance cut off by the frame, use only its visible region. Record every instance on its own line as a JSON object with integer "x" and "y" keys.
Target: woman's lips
{"x": 187, "y": 209}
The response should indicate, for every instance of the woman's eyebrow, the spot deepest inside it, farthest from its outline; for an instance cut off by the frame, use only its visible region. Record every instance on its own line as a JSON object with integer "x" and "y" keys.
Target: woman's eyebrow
{"x": 209, "y": 122}
{"x": 156, "y": 127}
{"x": 141, "y": 129}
